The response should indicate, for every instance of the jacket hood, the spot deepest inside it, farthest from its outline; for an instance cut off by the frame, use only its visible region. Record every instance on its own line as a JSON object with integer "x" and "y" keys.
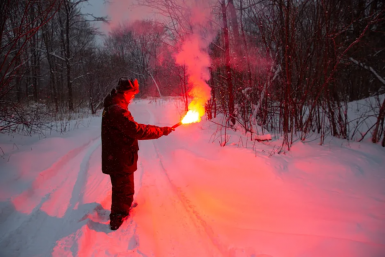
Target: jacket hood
{"x": 115, "y": 98}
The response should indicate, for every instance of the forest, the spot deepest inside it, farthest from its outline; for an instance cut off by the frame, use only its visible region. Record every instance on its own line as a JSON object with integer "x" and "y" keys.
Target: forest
{"x": 290, "y": 66}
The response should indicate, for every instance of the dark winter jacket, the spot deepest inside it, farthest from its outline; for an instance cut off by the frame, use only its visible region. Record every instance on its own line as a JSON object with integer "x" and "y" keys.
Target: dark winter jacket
{"x": 120, "y": 135}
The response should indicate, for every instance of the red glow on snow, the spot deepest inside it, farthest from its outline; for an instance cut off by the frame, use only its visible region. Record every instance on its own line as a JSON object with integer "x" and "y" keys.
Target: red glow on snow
{"x": 58, "y": 201}
{"x": 57, "y": 204}
{"x": 63, "y": 247}
{"x": 42, "y": 186}
{"x": 53, "y": 184}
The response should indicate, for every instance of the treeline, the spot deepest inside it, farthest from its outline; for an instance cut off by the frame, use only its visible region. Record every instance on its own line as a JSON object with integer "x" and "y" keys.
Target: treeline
{"x": 314, "y": 58}
{"x": 48, "y": 58}
{"x": 289, "y": 66}
{"x": 51, "y": 64}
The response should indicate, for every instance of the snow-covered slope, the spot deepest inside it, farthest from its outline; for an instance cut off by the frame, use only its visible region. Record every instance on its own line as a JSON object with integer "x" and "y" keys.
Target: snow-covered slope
{"x": 194, "y": 197}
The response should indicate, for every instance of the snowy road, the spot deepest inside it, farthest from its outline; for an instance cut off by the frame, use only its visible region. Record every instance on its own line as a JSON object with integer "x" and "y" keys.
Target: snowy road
{"x": 194, "y": 197}
{"x": 65, "y": 211}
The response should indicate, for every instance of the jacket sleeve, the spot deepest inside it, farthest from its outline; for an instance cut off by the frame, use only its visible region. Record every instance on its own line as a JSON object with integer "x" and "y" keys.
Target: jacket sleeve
{"x": 126, "y": 123}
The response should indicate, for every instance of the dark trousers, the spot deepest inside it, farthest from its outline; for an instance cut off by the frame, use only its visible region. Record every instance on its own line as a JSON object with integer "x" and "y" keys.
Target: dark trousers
{"x": 122, "y": 193}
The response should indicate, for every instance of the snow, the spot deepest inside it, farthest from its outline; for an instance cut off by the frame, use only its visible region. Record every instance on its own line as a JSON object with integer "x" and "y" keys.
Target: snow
{"x": 195, "y": 198}
{"x": 265, "y": 137}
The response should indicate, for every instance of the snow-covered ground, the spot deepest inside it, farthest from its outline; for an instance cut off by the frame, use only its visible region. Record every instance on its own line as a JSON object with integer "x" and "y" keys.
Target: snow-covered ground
{"x": 194, "y": 197}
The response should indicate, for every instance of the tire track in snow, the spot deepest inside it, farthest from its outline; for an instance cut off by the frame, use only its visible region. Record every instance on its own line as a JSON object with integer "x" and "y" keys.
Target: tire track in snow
{"x": 47, "y": 200}
{"x": 163, "y": 223}
{"x": 47, "y": 182}
{"x": 172, "y": 215}
{"x": 94, "y": 237}
{"x": 200, "y": 223}
{"x": 79, "y": 188}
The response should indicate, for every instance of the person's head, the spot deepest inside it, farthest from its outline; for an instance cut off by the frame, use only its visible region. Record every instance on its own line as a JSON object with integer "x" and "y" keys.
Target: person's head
{"x": 129, "y": 88}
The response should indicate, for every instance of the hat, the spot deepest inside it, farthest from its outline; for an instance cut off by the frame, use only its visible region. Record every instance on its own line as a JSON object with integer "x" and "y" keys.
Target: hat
{"x": 128, "y": 85}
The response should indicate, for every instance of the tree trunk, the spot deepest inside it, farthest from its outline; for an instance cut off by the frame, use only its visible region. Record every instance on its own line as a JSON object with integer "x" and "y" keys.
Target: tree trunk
{"x": 52, "y": 80}
{"x": 381, "y": 116}
{"x": 68, "y": 58}
{"x": 235, "y": 29}
{"x": 285, "y": 19}
{"x": 34, "y": 57}
{"x": 65, "y": 38}
{"x": 227, "y": 64}
{"x": 246, "y": 47}
{"x": 213, "y": 95}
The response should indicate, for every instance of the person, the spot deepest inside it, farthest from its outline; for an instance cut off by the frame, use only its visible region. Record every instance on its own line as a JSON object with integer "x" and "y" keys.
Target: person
{"x": 120, "y": 134}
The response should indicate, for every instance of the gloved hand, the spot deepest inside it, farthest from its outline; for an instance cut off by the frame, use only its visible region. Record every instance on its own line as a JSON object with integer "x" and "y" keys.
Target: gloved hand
{"x": 167, "y": 130}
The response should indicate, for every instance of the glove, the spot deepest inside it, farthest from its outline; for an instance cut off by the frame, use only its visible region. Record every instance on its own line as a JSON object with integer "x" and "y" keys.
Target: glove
{"x": 167, "y": 130}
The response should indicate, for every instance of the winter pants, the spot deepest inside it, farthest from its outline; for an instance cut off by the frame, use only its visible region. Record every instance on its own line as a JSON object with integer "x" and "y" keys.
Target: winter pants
{"x": 122, "y": 193}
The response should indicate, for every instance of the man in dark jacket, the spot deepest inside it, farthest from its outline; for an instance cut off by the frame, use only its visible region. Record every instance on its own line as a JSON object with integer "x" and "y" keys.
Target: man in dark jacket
{"x": 120, "y": 135}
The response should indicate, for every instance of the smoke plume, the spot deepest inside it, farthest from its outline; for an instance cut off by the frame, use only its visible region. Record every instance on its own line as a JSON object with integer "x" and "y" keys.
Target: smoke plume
{"x": 193, "y": 53}
{"x": 195, "y": 35}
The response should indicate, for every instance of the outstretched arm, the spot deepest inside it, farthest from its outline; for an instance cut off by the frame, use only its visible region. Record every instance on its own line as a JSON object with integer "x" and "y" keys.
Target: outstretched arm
{"x": 130, "y": 127}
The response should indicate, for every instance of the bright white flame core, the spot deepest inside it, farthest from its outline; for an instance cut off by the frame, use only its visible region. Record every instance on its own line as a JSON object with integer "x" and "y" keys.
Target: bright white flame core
{"x": 191, "y": 117}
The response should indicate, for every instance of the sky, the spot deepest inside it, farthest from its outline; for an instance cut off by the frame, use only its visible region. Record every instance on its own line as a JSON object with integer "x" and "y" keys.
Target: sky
{"x": 118, "y": 11}
{"x": 194, "y": 197}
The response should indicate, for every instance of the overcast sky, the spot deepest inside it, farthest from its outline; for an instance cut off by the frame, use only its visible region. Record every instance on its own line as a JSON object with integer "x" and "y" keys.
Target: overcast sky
{"x": 118, "y": 11}
{"x": 96, "y": 8}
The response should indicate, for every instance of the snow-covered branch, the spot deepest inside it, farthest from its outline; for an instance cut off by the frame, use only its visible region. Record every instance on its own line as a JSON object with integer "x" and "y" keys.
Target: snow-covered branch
{"x": 155, "y": 83}
{"x": 78, "y": 77}
{"x": 363, "y": 65}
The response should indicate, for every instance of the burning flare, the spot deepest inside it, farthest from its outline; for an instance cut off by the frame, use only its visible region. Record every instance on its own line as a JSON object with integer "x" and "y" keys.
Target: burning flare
{"x": 201, "y": 93}
{"x": 191, "y": 117}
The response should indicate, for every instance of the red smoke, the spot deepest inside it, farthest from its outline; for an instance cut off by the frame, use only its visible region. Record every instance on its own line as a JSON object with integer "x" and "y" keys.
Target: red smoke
{"x": 193, "y": 53}
{"x": 126, "y": 11}
{"x": 196, "y": 34}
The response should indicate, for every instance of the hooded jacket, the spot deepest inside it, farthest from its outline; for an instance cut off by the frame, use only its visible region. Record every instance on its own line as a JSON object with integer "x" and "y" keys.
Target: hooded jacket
{"x": 120, "y": 135}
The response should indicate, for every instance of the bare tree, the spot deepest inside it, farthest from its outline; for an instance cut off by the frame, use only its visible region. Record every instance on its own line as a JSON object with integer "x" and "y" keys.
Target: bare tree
{"x": 20, "y": 25}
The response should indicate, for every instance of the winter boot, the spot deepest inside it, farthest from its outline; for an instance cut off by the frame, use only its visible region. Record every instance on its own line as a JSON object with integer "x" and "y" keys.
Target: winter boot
{"x": 116, "y": 220}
